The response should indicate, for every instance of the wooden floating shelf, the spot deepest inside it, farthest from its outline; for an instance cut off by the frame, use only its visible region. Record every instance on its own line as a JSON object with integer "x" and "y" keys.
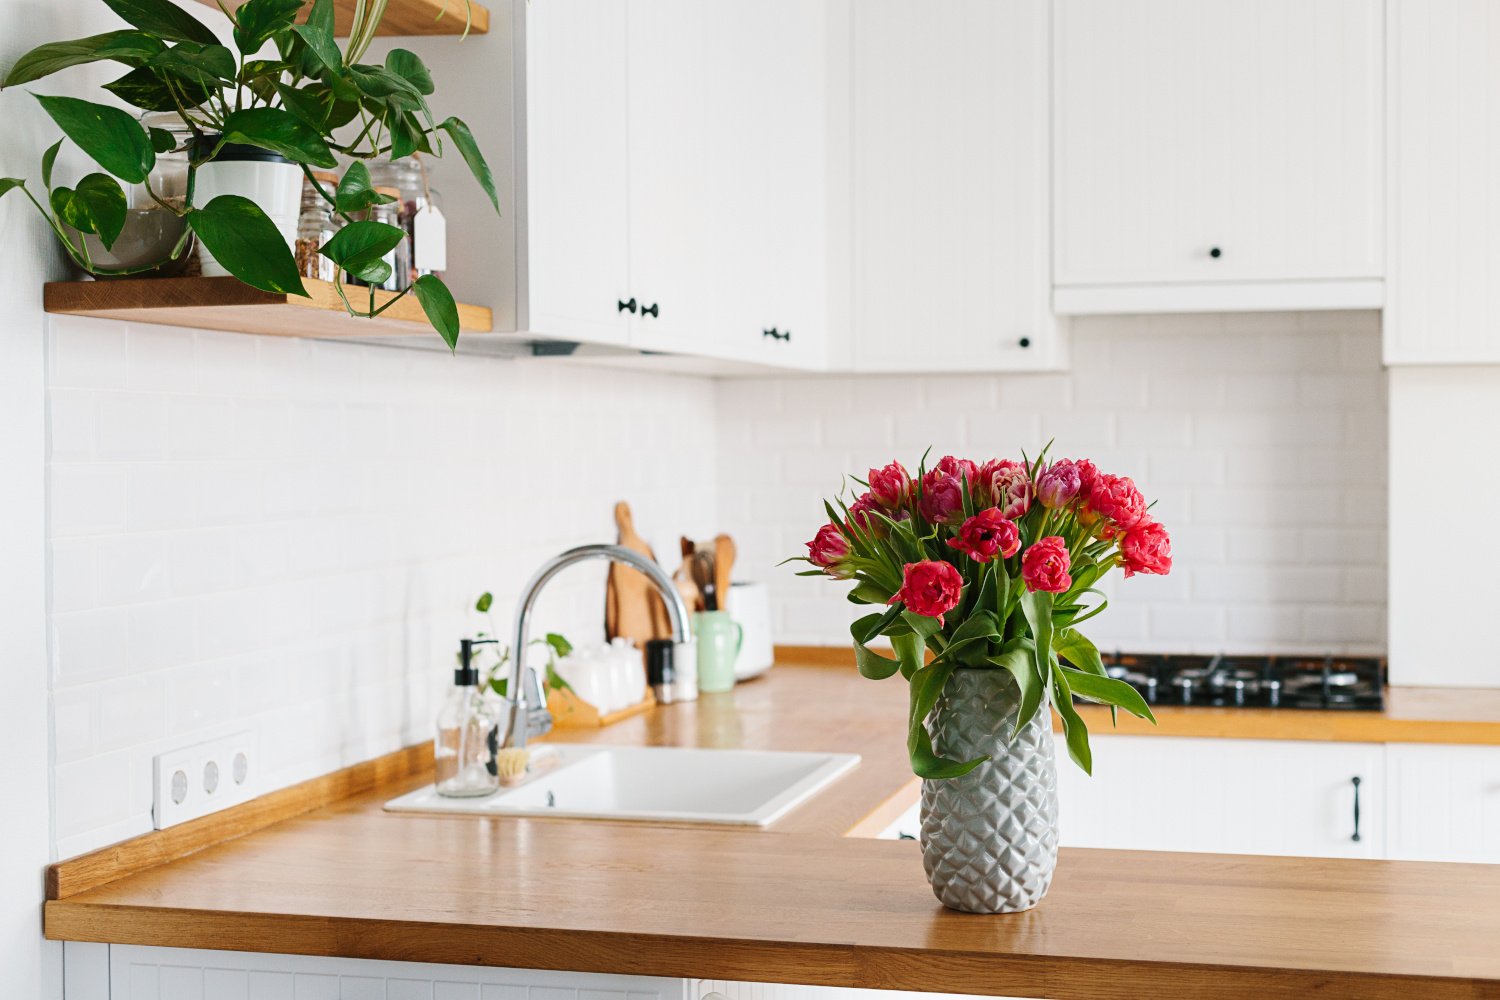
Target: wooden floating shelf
{"x": 227, "y": 304}
{"x": 407, "y": 17}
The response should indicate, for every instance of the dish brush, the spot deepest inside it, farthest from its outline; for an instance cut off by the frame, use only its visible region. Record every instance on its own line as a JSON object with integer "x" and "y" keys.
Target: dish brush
{"x": 514, "y": 764}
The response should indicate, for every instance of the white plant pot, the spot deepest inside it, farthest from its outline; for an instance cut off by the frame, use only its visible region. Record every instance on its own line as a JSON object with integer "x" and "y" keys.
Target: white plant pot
{"x": 263, "y": 177}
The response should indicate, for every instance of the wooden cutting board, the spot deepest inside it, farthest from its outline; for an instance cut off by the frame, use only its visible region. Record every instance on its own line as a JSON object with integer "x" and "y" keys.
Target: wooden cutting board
{"x": 632, "y": 607}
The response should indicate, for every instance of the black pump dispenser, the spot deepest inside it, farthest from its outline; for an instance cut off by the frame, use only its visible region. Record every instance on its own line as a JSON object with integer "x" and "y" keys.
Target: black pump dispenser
{"x": 467, "y": 675}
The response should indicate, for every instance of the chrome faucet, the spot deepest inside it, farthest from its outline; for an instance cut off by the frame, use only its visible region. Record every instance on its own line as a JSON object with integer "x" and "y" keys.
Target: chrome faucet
{"x": 526, "y": 702}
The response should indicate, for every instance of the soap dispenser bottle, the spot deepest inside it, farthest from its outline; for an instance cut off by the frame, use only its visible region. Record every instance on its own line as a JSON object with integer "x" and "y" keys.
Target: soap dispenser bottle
{"x": 466, "y": 732}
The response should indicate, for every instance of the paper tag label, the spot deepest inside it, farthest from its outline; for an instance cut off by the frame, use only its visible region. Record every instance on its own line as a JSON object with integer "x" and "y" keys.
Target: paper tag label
{"x": 430, "y": 240}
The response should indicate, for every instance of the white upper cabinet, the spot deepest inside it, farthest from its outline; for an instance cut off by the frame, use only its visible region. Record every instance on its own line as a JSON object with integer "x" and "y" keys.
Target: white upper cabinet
{"x": 1218, "y": 154}
{"x": 676, "y": 175}
{"x": 577, "y": 141}
{"x": 950, "y": 186}
{"x": 1443, "y": 306}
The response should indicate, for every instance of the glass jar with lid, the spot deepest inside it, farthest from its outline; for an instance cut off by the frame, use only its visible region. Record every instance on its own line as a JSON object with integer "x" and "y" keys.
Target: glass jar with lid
{"x": 421, "y": 212}
{"x": 316, "y": 225}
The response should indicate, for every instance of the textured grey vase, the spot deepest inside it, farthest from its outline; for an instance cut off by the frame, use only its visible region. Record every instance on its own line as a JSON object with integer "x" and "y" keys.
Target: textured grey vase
{"x": 989, "y": 838}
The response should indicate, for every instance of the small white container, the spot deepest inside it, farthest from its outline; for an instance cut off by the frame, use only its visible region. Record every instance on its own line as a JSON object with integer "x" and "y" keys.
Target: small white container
{"x": 750, "y": 605}
{"x": 271, "y": 181}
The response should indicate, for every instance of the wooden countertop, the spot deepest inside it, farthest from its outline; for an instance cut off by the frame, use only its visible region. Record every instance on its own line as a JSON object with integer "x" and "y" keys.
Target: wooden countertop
{"x": 798, "y": 903}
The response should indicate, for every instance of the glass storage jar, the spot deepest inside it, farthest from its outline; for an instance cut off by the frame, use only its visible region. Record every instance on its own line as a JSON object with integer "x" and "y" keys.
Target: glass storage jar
{"x": 421, "y": 213}
{"x": 399, "y": 259}
{"x": 315, "y": 227}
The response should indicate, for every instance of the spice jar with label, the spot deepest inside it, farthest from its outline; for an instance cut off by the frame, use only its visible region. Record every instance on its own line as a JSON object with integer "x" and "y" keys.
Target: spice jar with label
{"x": 315, "y": 227}
{"x": 421, "y": 213}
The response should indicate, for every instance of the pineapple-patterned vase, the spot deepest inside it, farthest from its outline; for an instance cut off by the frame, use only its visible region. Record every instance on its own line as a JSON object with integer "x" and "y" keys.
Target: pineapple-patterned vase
{"x": 989, "y": 838}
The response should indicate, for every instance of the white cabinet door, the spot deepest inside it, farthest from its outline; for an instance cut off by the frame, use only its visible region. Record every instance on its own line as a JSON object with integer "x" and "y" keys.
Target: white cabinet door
{"x": 576, "y": 146}
{"x": 1445, "y": 263}
{"x": 950, "y": 186}
{"x": 768, "y": 161}
{"x": 1444, "y": 803}
{"x": 1218, "y": 141}
{"x": 1232, "y": 796}
{"x": 673, "y": 229}
{"x": 144, "y": 973}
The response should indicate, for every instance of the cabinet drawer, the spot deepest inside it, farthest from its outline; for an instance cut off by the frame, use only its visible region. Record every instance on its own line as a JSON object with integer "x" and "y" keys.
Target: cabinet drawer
{"x": 1444, "y": 803}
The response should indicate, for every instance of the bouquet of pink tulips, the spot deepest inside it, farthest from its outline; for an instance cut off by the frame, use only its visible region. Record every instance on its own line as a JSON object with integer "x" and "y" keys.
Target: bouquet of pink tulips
{"x": 990, "y": 566}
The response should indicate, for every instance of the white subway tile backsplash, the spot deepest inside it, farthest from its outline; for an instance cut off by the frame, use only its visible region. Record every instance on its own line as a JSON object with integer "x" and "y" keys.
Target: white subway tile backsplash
{"x": 1240, "y": 428}
{"x": 132, "y": 425}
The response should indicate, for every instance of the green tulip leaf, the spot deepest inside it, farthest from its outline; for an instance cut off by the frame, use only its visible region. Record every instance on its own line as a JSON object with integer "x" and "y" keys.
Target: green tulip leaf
{"x": 356, "y": 193}
{"x": 442, "y": 312}
{"x": 1018, "y": 661}
{"x": 163, "y": 19}
{"x": 1074, "y": 731}
{"x": 129, "y": 47}
{"x": 469, "y": 150}
{"x": 1108, "y": 691}
{"x": 871, "y": 664}
{"x": 281, "y": 132}
{"x": 247, "y": 243}
{"x": 114, "y": 139}
{"x": 257, "y": 20}
{"x": 361, "y": 243}
{"x": 410, "y": 68}
{"x": 926, "y": 687}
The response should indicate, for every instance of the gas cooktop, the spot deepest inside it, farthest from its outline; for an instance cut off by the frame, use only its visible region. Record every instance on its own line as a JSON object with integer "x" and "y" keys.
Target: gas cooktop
{"x": 1356, "y": 683}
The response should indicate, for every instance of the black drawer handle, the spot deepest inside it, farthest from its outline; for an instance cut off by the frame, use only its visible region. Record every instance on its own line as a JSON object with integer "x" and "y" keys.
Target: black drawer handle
{"x": 776, "y": 334}
{"x": 625, "y": 306}
{"x": 1356, "y": 782}
{"x": 650, "y": 310}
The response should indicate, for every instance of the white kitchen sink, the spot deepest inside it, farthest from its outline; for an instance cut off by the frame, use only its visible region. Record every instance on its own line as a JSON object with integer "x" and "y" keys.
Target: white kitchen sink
{"x": 655, "y": 784}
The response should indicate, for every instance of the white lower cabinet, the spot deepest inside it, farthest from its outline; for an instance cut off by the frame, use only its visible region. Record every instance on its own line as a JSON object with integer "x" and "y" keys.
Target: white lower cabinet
{"x": 1226, "y": 796}
{"x": 1444, "y": 803}
{"x": 142, "y": 973}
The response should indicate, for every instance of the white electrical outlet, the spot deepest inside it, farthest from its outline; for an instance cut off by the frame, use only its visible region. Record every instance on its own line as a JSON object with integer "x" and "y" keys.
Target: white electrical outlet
{"x": 206, "y": 777}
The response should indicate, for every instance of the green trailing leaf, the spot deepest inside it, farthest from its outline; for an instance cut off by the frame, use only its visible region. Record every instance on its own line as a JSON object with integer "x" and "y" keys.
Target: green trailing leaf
{"x": 48, "y": 159}
{"x": 146, "y": 89}
{"x": 485, "y": 602}
{"x": 162, "y": 141}
{"x": 871, "y": 664}
{"x": 163, "y": 19}
{"x": 410, "y": 68}
{"x": 312, "y": 104}
{"x": 114, "y": 139}
{"x": 257, "y": 20}
{"x": 317, "y": 33}
{"x": 281, "y": 132}
{"x": 129, "y": 47}
{"x": 438, "y": 305}
{"x": 356, "y": 192}
{"x": 247, "y": 243}
{"x": 469, "y": 150}
{"x": 1108, "y": 691}
{"x": 209, "y": 67}
{"x": 97, "y": 205}
{"x": 926, "y": 687}
{"x": 361, "y": 243}
{"x": 381, "y": 84}
{"x": 374, "y": 273}
{"x": 9, "y": 184}
{"x": 559, "y": 645}
{"x": 1076, "y": 733}
{"x": 407, "y": 136}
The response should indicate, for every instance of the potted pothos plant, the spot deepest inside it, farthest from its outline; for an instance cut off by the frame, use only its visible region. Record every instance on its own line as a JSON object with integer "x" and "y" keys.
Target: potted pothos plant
{"x": 984, "y": 573}
{"x": 285, "y": 86}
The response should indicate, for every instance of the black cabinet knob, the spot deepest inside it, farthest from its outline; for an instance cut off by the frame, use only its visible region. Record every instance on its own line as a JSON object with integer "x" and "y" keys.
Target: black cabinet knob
{"x": 1215, "y": 253}
{"x": 650, "y": 310}
{"x": 1025, "y": 342}
{"x": 625, "y": 306}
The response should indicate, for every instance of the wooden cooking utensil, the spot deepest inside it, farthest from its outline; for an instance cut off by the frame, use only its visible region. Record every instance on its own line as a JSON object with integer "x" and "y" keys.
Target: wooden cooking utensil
{"x": 632, "y": 607}
{"x": 724, "y": 553}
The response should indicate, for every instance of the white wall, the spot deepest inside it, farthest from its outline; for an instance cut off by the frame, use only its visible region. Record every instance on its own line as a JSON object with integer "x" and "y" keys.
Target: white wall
{"x": 287, "y": 535}
{"x": 1444, "y": 548}
{"x": 1262, "y": 436}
